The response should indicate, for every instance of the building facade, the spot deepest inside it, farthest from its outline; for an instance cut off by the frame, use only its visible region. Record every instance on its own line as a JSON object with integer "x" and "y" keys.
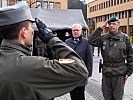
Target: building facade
{"x": 99, "y": 11}
{"x": 46, "y": 4}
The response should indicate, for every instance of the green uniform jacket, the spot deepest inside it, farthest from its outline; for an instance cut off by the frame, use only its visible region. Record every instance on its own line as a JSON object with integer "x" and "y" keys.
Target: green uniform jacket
{"x": 116, "y": 51}
{"x": 26, "y": 77}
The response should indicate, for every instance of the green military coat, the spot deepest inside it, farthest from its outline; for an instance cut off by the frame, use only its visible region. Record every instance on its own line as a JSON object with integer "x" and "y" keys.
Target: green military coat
{"x": 116, "y": 51}
{"x": 26, "y": 77}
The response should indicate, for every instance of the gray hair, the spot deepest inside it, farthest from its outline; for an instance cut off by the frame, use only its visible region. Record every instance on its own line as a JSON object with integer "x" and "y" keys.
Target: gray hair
{"x": 77, "y": 25}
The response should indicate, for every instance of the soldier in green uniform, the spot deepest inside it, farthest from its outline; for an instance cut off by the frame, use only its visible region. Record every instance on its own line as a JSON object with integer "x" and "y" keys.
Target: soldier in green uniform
{"x": 117, "y": 54}
{"x": 26, "y": 77}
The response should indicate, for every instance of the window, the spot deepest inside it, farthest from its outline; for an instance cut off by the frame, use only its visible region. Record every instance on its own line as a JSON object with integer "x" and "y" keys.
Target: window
{"x": 99, "y": 7}
{"x": 4, "y": 3}
{"x": 119, "y": 15}
{"x": 108, "y": 16}
{"x": 18, "y": 1}
{"x": 117, "y": 1}
{"x": 125, "y": 14}
{"x": 51, "y": 5}
{"x": 106, "y": 4}
{"x": 131, "y": 33}
{"x": 104, "y": 18}
{"x": 111, "y": 15}
{"x": 111, "y": 2}
{"x": 90, "y": 9}
{"x": 129, "y": 13}
{"x": 96, "y": 20}
{"x": 122, "y": 14}
{"x": 38, "y": 4}
{"x": 45, "y": 5}
{"x": 131, "y": 29}
{"x": 114, "y": 2}
{"x": 100, "y": 18}
{"x": 57, "y": 5}
{"x": 123, "y": 29}
{"x": 120, "y": 1}
{"x": 93, "y": 8}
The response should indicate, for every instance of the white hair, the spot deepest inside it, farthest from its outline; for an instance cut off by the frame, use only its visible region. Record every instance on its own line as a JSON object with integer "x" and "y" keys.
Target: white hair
{"x": 77, "y": 25}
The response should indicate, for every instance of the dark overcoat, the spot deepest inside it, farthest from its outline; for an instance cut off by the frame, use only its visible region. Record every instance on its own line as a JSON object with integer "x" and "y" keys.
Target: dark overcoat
{"x": 84, "y": 50}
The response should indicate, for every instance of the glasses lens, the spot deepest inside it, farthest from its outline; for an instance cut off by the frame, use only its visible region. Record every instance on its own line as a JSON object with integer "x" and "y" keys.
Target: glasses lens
{"x": 75, "y": 30}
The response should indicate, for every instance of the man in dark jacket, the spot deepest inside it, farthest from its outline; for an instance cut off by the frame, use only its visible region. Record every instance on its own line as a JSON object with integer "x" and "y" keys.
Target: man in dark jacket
{"x": 117, "y": 56}
{"x": 26, "y": 77}
{"x": 84, "y": 50}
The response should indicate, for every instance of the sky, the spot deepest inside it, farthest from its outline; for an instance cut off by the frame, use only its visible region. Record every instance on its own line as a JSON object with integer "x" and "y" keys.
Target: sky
{"x": 87, "y": 1}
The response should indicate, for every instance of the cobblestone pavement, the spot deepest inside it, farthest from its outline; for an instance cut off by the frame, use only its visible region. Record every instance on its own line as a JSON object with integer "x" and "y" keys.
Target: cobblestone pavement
{"x": 93, "y": 88}
{"x": 67, "y": 97}
{"x": 97, "y": 77}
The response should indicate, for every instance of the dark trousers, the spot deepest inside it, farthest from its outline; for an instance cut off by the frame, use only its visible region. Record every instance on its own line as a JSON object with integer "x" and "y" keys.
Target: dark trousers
{"x": 113, "y": 87}
{"x": 93, "y": 50}
{"x": 98, "y": 51}
{"x": 78, "y": 93}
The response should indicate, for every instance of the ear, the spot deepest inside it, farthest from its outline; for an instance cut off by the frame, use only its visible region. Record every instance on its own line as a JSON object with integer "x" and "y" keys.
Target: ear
{"x": 118, "y": 24}
{"x": 23, "y": 32}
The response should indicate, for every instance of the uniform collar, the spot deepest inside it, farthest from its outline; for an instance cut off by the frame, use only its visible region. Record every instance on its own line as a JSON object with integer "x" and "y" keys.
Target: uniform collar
{"x": 11, "y": 44}
{"x": 117, "y": 36}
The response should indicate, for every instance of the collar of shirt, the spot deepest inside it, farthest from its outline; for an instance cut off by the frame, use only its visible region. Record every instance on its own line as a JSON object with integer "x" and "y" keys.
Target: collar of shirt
{"x": 76, "y": 40}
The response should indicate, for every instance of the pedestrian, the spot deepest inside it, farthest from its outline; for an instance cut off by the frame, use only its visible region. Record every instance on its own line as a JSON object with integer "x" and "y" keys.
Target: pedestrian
{"x": 0, "y": 38}
{"x": 93, "y": 50}
{"x": 98, "y": 51}
{"x": 26, "y": 77}
{"x": 117, "y": 55}
{"x": 84, "y": 50}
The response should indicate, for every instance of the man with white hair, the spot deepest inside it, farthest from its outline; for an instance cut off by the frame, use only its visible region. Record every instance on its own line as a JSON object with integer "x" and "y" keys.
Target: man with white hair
{"x": 80, "y": 44}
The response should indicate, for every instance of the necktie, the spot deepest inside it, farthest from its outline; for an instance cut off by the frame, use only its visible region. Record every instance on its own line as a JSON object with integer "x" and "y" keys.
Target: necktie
{"x": 76, "y": 41}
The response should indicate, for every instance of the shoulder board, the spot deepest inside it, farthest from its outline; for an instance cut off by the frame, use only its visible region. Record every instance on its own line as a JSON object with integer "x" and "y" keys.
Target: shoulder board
{"x": 66, "y": 60}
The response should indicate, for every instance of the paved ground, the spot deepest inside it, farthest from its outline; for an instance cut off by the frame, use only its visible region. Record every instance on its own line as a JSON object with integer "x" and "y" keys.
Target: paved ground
{"x": 93, "y": 88}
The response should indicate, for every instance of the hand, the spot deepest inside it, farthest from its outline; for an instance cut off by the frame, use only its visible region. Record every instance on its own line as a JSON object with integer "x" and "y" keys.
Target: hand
{"x": 44, "y": 34}
{"x": 125, "y": 78}
{"x": 104, "y": 25}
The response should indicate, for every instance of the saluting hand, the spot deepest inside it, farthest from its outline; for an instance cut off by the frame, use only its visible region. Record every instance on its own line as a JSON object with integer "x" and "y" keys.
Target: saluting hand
{"x": 104, "y": 25}
{"x": 45, "y": 34}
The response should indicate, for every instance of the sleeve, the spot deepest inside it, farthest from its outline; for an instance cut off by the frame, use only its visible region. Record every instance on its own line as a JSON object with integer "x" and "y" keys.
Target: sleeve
{"x": 52, "y": 78}
{"x": 129, "y": 57}
{"x": 95, "y": 37}
{"x": 89, "y": 56}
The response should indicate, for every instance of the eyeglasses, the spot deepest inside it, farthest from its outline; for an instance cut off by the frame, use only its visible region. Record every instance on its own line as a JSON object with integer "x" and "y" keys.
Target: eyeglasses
{"x": 75, "y": 30}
